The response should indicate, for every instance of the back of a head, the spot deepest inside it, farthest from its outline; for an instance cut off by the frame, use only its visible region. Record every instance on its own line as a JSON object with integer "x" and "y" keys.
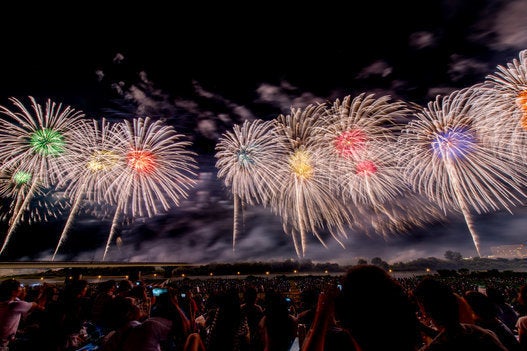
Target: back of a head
{"x": 482, "y": 306}
{"x": 7, "y": 287}
{"x": 438, "y": 302}
{"x": 250, "y": 295}
{"x": 377, "y": 310}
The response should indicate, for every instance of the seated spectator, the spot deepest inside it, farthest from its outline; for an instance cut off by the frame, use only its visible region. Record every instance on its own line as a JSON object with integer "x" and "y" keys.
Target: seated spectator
{"x": 124, "y": 318}
{"x": 441, "y": 305}
{"x": 374, "y": 310}
{"x": 486, "y": 316}
{"x": 253, "y": 312}
{"x": 228, "y": 328}
{"x": 506, "y": 313}
{"x": 278, "y": 328}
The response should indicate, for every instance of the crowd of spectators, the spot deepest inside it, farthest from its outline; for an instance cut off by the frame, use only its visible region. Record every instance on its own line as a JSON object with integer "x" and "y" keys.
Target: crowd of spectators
{"x": 364, "y": 309}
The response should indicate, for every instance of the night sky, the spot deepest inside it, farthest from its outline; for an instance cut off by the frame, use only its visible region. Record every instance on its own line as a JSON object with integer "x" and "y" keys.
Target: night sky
{"x": 204, "y": 68}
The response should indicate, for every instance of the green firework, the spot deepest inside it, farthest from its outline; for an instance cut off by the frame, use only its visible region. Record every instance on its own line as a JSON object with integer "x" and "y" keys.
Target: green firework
{"x": 21, "y": 177}
{"x": 47, "y": 142}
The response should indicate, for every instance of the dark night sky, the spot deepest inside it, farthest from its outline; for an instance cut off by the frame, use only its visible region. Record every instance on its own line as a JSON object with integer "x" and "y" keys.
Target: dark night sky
{"x": 207, "y": 67}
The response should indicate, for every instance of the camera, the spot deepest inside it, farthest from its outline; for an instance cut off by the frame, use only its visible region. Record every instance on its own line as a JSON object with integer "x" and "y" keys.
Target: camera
{"x": 159, "y": 291}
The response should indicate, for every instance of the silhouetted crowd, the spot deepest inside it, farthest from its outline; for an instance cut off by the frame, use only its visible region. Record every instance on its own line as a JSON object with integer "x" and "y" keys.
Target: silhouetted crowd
{"x": 365, "y": 309}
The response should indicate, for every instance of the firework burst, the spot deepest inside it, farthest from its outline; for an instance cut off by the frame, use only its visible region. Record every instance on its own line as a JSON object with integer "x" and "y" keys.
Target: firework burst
{"x": 305, "y": 201}
{"x": 359, "y": 140}
{"x": 447, "y": 158}
{"x": 90, "y": 168}
{"x": 249, "y": 161}
{"x": 505, "y": 107}
{"x": 159, "y": 170}
{"x": 14, "y": 187}
{"x": 35, "y": 141}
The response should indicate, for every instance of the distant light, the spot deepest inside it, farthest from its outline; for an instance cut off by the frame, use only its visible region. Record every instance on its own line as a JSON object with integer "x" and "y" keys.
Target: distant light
{"x": 155, "y": 275}
{"x": 267, "y": 273}
{"x": 238, "y": 273}
{"x": 390, "y": 270}
{"x": 326, "y": 271}
{"x": 428, "y": 269}
{"x": 211, "y": 274}
{"x": 295, "y": 271}
{"x": 70, "y": 277}
{"x": 41, "y": 278}
{"x": 125, "y": 277}
{"x": 99, "y": 276}
{"x": 183, "y": 275}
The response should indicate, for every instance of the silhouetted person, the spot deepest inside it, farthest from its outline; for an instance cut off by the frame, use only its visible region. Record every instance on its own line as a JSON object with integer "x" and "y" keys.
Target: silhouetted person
{"x": 439, "y": 302}
{"x": 253, "y": 312}
{"x": 486, "y": 316}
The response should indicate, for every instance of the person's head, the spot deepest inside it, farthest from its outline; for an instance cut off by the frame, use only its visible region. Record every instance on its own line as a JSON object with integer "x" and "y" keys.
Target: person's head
{"x": 122, "y": 310}
{"x": 250, "y": 295}
{"x": 10, "y": 288}
{"x": 483, "y": 307}
{"x": 438, "y": 302}
{"x": 124, "y": 287}
{"x": 309, "y": 298}
{"x": 370, "y": 295}
{"x": 522, "y": 295}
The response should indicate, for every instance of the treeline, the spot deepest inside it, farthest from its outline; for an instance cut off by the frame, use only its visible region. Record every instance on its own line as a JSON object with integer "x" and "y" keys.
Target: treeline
{"x": 452, "y": 261}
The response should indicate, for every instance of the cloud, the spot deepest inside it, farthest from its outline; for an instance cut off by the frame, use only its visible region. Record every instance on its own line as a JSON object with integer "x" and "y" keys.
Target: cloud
{"x": 100, "y": 74}
{"x": 285, "y": 96}
{"x": 377, "y": 68}
{"x": 510, "y": 26}
{"x": 118, "y": 58}
{"x": 421, "y": 40}
{"x": 462, "y": 67}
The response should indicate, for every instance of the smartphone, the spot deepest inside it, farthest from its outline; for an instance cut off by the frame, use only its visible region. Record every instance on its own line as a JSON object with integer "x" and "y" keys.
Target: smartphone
{"x": 339, "y": 286}
{"x": 159, "y": 291}
{"x": 183, "y": 295}
{"x": 287, "y": 299}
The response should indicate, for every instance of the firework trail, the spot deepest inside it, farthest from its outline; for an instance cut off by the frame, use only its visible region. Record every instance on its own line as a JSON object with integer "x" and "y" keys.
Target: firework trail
{"x": 36, "y": 141}
{"x": 159, "y": 170}
{"x": 249, "y": 160}
{"x": 447, "y": 158}
{"x": 90, "y": 167}
{"x": 305, "y": 201}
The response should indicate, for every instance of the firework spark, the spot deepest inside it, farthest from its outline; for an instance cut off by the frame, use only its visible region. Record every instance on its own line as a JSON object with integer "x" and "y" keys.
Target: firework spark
{"x": 158, "y": 172}
{"x": 305, "y": 201}
{"x": 447, "y": 158}
{"x": 35, "y": 141}
{"x": 248, "y": 161}
{"x": 90, "y": 167}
